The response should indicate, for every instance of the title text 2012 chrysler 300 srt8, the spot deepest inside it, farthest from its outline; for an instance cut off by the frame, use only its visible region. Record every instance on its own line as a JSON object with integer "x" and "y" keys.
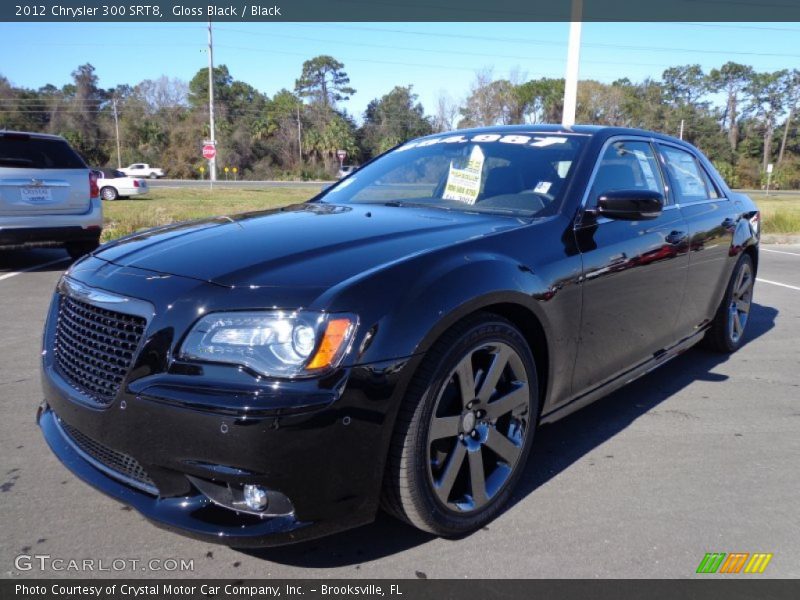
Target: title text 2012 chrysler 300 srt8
{"x": 274, "y": 376}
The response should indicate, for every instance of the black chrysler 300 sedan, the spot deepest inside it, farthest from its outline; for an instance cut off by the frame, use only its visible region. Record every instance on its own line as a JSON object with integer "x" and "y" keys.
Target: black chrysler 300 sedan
{"x": 269, "y": 377}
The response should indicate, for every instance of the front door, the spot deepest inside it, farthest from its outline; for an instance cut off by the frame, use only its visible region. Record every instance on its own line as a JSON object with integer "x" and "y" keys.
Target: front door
{"x": 634, "y": 272}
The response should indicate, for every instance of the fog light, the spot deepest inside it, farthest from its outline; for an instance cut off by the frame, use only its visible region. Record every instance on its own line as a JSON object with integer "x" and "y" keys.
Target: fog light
{"x": 255, "y": 497}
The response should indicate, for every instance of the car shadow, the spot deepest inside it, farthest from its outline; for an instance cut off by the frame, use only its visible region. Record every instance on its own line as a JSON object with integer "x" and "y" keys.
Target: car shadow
{"x": 34, "y": 259}
{"x": 556, "y": 447}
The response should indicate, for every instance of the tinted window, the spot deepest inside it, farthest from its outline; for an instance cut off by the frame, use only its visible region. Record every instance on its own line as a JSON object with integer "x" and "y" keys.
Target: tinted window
{"x": 692, "y": 183}
{"x": 27, "y": 152}
{"x": 522, "y": 174}
{"x": 627, "y": 165}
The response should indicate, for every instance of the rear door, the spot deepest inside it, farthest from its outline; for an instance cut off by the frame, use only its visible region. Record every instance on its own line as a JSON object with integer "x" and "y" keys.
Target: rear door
{"x": 634, "y": 271}
{"x": 711, "y": 218}
{"x": 41, "y": 176}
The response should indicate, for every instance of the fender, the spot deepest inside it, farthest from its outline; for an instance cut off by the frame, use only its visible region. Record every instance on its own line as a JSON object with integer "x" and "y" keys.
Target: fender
{"x": 402, "y": 325}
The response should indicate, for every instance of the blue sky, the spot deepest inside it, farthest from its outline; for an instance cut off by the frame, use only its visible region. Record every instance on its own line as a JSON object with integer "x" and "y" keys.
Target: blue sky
{"x": 434, "y": 57}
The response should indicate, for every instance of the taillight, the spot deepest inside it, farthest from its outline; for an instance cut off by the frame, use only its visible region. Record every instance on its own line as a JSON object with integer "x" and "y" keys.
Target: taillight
{"x": 94, "y": 189}
{"x": 135, "y": 183}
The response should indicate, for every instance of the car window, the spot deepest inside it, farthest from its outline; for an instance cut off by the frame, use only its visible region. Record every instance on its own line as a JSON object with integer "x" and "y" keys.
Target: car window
{"x": 24, "y": 151}
{"x": 627, "y": 165}
{"x": 521, "y": 174}
{"x": 692, "y": 183}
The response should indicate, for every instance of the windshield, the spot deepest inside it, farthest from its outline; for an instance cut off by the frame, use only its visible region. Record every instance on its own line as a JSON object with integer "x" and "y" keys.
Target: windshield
{"x": 523, "y": 175}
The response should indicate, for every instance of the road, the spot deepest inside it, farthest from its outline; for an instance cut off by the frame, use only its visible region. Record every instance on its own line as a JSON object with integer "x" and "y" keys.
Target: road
{"x": 698, "y": 456}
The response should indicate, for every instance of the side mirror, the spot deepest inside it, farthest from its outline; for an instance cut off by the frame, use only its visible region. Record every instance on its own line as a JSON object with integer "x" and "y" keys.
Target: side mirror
{"x": 630, "y": 205}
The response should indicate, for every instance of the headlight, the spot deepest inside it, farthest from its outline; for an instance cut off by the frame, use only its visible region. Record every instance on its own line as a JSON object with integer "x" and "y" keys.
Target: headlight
{"x": 275, "y": 343}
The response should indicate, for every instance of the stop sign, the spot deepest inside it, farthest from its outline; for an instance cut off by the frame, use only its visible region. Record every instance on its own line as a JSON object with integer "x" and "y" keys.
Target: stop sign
{"x": 209, "y": 151}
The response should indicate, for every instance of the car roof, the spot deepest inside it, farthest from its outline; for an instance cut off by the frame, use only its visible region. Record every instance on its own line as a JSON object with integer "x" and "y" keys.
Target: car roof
{"x": 42, "y": 136}
{"x": 604, "y": 131}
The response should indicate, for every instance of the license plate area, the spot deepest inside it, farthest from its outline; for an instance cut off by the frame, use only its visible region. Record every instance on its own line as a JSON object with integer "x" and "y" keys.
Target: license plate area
{"x": 36, "y": 195}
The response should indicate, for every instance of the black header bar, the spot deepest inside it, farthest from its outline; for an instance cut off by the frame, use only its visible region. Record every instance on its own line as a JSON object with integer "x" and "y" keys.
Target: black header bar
{"x": 398, "y": 10}
{"x": 705, "y": 587}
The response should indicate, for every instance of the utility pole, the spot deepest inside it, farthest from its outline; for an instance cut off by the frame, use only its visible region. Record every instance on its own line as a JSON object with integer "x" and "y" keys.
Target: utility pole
{"x": 212, "y": 164}
{"x": 116, "y": 128}
{"x": 681, "y": 132}
{"x": 573, "y": 64}
{"x": 299, "y": 136}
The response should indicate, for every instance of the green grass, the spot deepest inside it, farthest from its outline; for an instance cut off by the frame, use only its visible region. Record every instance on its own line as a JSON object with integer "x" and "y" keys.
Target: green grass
{"x": 162, "y": 206}
{"x": 780, "y": 214}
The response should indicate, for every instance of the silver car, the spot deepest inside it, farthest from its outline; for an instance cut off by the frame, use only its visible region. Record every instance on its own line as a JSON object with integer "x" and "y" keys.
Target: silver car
{"x": 48, "y": 196}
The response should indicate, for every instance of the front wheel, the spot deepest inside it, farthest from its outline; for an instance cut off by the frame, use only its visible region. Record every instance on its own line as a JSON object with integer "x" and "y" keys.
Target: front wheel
{"x": 153, "y": 176}
{"x": 726, "y": 333}
{"x": 464, "y": 430}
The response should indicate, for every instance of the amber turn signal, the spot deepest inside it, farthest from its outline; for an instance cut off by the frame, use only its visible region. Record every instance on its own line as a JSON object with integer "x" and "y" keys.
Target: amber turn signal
{"x": 337, "y": 331}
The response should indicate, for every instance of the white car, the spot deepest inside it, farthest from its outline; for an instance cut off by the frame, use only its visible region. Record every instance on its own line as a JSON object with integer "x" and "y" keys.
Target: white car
{"x": 142, "y": 170}
{"x": 114, "y": 184}
{"x": 48, "y": 196}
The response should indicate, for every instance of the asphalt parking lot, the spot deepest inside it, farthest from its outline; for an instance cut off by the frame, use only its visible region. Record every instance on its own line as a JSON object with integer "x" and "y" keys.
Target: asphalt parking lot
{"x": 700, "y": 456}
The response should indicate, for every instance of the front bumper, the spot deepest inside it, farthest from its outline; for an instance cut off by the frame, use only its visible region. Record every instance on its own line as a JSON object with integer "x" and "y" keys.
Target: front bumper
{"x": 193, "y": 515}
{"x": 327, "y": 462}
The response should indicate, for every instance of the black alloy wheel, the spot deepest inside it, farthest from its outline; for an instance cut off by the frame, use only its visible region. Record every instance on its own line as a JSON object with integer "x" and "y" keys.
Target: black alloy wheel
{"x": 727, "y": 330}
{"x": 465, "y": 429}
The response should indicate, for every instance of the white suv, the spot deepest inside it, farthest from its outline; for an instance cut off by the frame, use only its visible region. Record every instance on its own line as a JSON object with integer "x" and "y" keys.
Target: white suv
{"x": 48, "y": 196}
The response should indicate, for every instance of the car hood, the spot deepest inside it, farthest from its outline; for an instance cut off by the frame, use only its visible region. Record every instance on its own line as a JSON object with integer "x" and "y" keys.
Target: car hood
{"x": 312, "y": 244}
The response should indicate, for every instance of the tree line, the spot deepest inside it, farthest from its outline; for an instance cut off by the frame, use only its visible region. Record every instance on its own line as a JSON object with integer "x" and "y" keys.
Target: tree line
{"x": 741, "y": 118}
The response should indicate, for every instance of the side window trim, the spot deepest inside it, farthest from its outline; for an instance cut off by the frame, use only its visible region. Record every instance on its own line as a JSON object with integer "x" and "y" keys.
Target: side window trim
{"x": 721, "y": 195}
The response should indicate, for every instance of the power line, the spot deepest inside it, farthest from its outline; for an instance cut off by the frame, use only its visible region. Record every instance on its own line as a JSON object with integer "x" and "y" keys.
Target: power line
{"x": 528, "y": 41}
{"x": 539, "y": 42}
{"x": 433, "y": 51}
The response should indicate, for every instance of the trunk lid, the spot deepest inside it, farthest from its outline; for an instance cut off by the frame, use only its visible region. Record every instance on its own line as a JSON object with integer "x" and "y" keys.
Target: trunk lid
{"x": 41, "y": 175}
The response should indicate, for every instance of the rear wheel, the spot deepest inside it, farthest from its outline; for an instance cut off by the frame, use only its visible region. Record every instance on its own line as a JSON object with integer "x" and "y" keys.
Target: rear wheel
{"x": 728, "y": 327}
{"x": 109, "y": 193}
{"x": 78, "y": 249}
{"x": 464, "y": 430}
{"x": 153, "y": 176}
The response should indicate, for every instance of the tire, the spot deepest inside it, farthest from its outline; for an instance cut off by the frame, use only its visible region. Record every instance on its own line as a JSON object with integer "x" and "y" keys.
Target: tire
{"x": 727, "y": 330}
{"x": 77, "y": 250}
{"x": 449, "y": 473}
{"x": 153, "y": 176}
{"x": 109, "y": 193}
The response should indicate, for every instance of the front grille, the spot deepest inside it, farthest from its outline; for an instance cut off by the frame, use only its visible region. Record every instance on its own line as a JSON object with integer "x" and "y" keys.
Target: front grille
{"x": 95, "y": 347}
{"x": 114, "y": 463}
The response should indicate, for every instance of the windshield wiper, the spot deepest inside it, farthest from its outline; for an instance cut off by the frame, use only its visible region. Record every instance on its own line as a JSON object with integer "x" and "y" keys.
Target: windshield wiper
{"x": 403, "y": 204}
